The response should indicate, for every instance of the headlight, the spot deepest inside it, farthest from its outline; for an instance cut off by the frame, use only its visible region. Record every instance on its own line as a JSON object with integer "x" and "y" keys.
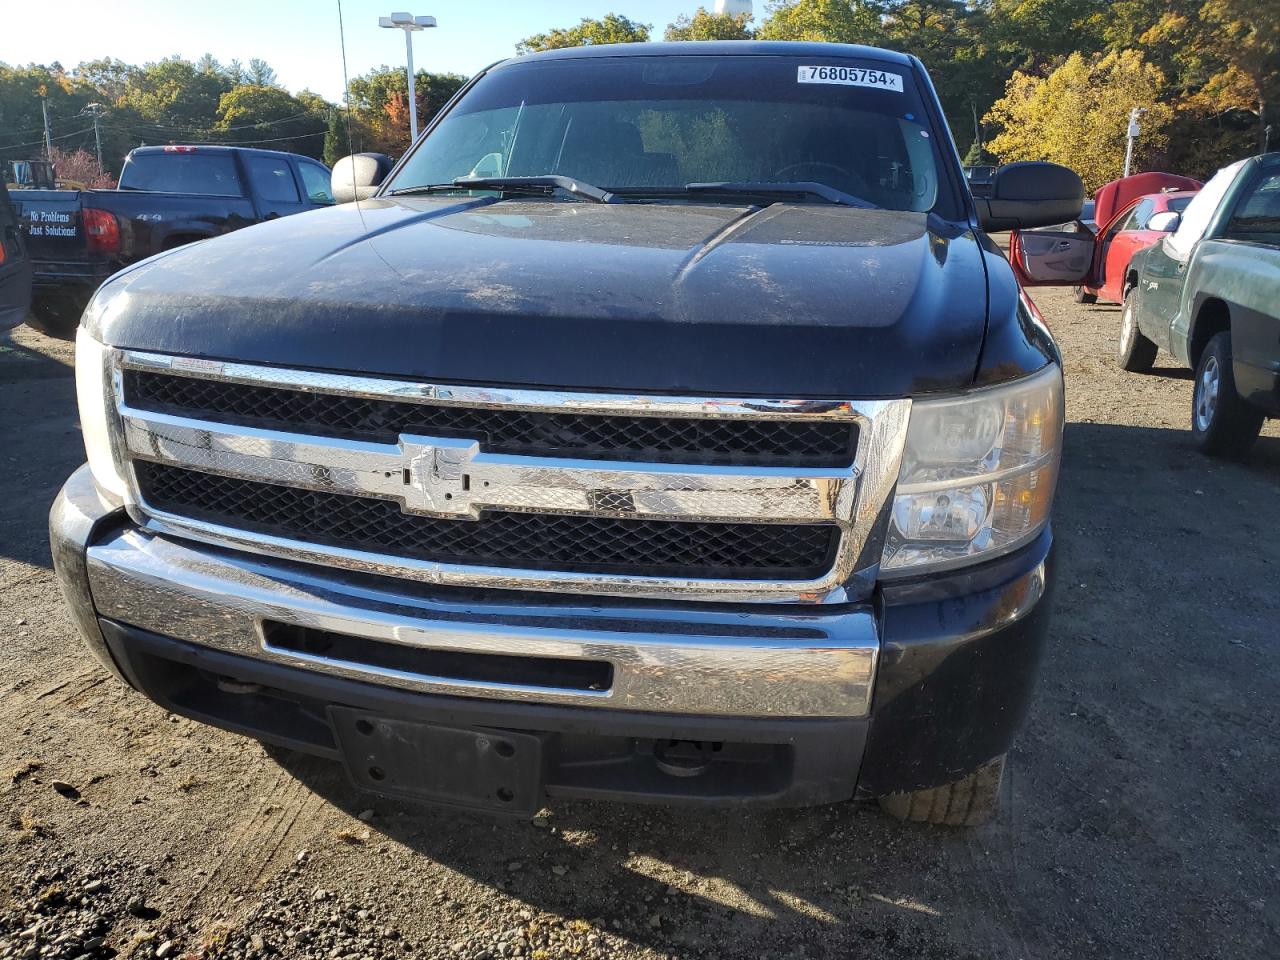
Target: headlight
{"x": 95, "y": 399}
{"x": 978, "y": 474}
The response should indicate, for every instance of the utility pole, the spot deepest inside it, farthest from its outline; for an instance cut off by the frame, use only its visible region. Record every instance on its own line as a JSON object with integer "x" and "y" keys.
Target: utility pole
{"x": 96, "y": 110}
{"x": 410, "y": 25}
{"x": 1134, "y": 130}
{"x": 44, "y": 109}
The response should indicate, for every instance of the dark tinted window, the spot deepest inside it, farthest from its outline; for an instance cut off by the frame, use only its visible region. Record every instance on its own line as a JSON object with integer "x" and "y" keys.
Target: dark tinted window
{"x": 652, "y": 122}
{"x": 315, "y": 181}
{"x": 1178, "y": 204}
{"x": 209, "y": 173}
{"x": 1257, "y": 215}
{"x": 272, "y": 179}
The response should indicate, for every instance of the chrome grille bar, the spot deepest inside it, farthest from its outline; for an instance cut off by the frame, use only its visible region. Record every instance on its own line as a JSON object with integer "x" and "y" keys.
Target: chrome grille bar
{"x": 453, "y": 478}
{"x": 443, "y": 477}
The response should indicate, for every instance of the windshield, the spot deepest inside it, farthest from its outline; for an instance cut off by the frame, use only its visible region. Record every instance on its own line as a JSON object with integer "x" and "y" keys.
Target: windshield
{"x": 645, "y": 125}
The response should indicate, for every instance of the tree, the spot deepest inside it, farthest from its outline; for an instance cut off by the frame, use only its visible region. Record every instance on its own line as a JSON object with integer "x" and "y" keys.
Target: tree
{"x": 614, "y": 28}
{"x": 174, "y": 93}
{"x": 832, "y": 21}
{"x": 709, "y": 26}
{"x": 1078, "y": 115}
{"x": 1249, "y": 31}
{"x": 81, "y": 166}
{"x": 380, "y": 98}
{"x": 338, "y": 136}
{"x": 256, "y": 115}
{"x": 260, "y": 74}
{"x": 977, "y": 156}
{"x": 110, "y": 76}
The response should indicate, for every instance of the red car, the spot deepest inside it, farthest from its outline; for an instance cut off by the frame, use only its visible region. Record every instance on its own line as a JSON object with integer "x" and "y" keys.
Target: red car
{"x": 1134, "y": 213}
{"x": 1128, "y": 212}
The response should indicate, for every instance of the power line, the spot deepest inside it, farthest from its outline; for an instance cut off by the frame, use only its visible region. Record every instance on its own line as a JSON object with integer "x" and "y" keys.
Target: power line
{"x": 32, "y": 143}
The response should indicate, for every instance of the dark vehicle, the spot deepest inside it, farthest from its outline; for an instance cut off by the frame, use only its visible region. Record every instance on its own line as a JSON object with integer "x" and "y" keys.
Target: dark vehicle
{"x": 15, "y": 267}
{"x": 1206, "y": 292}
{"x": 664, "y": 427}
{"x": 167, "y": 197}
{"x": 980, "y": 179}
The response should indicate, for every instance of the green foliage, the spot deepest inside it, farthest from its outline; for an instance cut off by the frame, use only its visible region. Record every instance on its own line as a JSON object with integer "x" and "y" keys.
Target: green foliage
{"x": 380, "y": 98}
{"x": 977, "y": 155}
{"x": 710, "y": 26}
{"x": 613, "y": 28}
{"x": 832, "y": 21}
{"x": 1078, "y": 115}
{"x": 337, "y": 142}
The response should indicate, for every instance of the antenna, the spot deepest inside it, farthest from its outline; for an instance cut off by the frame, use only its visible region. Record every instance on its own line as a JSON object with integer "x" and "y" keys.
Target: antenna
{"x": 346, "y": 95}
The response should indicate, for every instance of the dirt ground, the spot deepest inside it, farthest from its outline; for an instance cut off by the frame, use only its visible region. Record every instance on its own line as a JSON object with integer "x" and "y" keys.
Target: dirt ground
{"x": 1140, "y": 816}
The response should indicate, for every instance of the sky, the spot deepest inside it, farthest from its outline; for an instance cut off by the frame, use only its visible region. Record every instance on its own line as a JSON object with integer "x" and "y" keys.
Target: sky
{"x": 300, "y": 38}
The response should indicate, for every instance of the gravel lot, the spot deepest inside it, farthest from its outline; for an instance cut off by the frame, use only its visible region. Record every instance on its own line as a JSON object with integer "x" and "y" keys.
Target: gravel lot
{"x": 1140, "y": 816}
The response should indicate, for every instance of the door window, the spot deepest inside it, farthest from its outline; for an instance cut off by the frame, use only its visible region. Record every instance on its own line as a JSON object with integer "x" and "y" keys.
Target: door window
{"x": 272, "y": 179}
{"x": 1257, "y": 216}
{"x": 1141, "y": 214}
{"x": 315, "y": 181}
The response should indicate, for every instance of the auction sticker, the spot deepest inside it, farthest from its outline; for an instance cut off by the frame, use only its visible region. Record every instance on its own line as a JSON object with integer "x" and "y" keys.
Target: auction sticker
{"x": 852, "y": 77}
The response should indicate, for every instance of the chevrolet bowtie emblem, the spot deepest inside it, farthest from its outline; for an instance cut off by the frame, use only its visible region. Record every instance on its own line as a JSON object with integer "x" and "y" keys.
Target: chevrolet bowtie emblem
{"x": 438, "y": 478}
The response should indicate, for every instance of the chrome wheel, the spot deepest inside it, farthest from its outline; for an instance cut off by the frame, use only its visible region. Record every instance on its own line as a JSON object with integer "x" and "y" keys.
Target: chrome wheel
{"x": 1207, "y": 386}
{"x": 1126, "y": 329}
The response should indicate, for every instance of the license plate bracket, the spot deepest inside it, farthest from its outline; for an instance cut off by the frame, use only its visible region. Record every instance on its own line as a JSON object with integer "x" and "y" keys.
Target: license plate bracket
{"x": 480, "y": 768}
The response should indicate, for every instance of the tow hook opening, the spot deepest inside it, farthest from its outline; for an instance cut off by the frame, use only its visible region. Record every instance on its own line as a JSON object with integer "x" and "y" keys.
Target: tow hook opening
{"x": 685, "y": 758}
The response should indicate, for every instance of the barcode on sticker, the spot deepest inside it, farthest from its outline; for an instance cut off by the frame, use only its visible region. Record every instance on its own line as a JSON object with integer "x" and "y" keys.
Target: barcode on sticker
{"x": 852, "y": 77}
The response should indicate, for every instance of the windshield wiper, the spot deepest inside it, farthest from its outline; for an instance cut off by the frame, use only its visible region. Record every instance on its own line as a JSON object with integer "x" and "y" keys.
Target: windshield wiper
{"x": 768, "y": 188}
{"x": 534, "y": 186}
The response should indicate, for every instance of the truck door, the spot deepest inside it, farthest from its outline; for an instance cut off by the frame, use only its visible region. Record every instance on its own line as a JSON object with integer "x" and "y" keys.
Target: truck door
{"x": 1163, "y": 278}
{"x": 273, "y": 186}
{"x": 1051, "y": 257}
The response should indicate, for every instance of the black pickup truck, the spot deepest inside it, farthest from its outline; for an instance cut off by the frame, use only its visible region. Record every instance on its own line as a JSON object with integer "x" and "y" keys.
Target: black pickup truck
{"x": 663, "y": 427}
{"x": 168, "y": 196}
{"x": 15, "y": 267}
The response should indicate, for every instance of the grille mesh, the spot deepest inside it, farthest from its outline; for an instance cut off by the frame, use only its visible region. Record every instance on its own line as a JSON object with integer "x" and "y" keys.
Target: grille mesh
{"x": 533, "y": 541}
{"x": 658, "y": 439}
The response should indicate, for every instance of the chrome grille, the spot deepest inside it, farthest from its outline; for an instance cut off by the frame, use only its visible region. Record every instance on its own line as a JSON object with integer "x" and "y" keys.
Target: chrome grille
{"x": 536, "y": 541}
{"x": 540, "y": 433}
{"x": 667, "y": 497}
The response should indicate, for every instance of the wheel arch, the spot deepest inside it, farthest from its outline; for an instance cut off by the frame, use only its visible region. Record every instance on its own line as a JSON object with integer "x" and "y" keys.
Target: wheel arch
{"x": 1212, "y": 316}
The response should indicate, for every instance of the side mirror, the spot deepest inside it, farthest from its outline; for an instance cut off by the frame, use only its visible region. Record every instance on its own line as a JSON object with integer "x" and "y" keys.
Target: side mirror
{"x": 357, "y": 177}
{"x": 1032, "y": 193}
{"x": 1166, "y": 221}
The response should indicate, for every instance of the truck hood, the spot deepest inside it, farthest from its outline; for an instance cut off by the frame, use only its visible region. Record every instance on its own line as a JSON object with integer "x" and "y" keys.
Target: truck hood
{"x": 790, "y": 300}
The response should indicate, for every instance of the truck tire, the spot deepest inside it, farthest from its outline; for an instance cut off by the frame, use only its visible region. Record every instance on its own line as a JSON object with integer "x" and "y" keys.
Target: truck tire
{"x": 1223, "y": 424}
{"x": 55, "y": 316}
{"x": 1137, "y": 354}
{"x": 1083, "y": 295}
{"x": 968, "y": 802}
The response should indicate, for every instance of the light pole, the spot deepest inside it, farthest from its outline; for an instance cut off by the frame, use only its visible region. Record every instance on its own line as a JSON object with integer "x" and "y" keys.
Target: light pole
{"x": 410, "y": 25}
{"x": 1134, "y": 130}
{"x": 95, "y": 110}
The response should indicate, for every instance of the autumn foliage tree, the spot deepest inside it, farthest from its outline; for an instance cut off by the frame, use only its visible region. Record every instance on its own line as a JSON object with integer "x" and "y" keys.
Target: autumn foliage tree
{"x": 1078, "y": 115}
{"x": 80, "y": 166}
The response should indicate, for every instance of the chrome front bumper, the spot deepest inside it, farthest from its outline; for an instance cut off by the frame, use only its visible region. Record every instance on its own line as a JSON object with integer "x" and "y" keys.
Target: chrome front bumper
{"x": 684, "y": 659}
